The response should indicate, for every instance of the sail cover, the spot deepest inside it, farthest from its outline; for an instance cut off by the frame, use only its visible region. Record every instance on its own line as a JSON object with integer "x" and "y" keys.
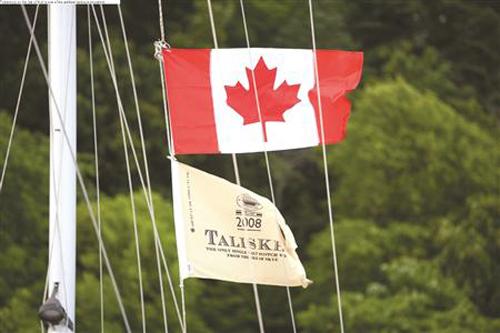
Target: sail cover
{"x": 229, "y": 233}
{"x": 250, "y": 100}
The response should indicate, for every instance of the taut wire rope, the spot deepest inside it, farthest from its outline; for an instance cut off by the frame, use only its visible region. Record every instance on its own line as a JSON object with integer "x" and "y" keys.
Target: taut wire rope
{"x": 237, "y": 174}
{"x": 130, "y": 185}
{"x": 79, "y": 175}
{"x": 162, "y": 25}
{"x": 183, "y": 303}
{"x": 159, "y": 46}
{"x": 18, "y": 104}
{"x": 266, "y": 157}
{"x": 169, "y": 143}
{"x": 145, "y": 160}
{"x": 96, "y": 166}
{"x": 134, "y": 154}
{"x": 325, "y": 167}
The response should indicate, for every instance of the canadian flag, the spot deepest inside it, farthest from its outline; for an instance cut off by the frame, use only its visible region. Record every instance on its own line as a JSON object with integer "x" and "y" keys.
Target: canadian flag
{"x": 249, "y": 100}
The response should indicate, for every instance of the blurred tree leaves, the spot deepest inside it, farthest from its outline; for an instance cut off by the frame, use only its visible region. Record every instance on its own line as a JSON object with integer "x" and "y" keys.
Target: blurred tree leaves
{"x": 118, "y": 236}
{"x": 409, "y": 156}
{"x": 23, "y": 225}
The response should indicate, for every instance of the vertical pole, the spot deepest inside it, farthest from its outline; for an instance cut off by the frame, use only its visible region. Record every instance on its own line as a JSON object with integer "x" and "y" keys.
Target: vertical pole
{"x": 62, "y": 234}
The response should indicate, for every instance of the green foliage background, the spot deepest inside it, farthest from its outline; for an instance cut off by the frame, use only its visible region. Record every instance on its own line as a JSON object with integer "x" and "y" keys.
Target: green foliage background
{"x": 416, "y": 183}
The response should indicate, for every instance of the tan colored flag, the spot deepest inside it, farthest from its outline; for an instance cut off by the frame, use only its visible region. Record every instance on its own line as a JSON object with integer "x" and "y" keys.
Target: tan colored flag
{"x": 229, "y": 233}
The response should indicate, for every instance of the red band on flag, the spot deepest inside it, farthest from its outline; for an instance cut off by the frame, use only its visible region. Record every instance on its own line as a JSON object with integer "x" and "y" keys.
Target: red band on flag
{"x": 339, "y": 72}
{"x": 187, "y": 74}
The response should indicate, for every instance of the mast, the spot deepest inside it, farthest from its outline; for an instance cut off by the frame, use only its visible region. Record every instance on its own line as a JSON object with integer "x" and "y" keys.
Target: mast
{"x": 62, "y": 216}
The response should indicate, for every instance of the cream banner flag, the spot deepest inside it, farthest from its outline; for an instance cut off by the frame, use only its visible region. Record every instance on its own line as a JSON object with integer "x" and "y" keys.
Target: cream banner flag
{"x": 229, "y": 233}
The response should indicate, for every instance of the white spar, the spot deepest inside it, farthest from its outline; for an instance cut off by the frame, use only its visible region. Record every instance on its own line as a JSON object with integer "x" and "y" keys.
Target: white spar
{"x": 62, "y": 234}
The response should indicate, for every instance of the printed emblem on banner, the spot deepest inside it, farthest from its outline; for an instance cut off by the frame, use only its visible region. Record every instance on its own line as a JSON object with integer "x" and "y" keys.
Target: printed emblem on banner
{"x": 248, "y": 215}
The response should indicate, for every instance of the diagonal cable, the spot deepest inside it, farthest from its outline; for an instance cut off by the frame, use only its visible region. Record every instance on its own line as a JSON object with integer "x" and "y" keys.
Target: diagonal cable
{"x": 137, "y": 164}
{"x": 131, "y": 189}
{"x": 325, "y": 167}
{"x": 237, "y": 174}
{"x": 96, "y": 165}
{"x": 145, "y": 161}
{"x": 266, "y": 157}
{"x": 18, "y": 103}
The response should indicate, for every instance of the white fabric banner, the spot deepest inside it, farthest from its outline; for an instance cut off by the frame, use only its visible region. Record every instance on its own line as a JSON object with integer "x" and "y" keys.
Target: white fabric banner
{"x": 229, "y": 233}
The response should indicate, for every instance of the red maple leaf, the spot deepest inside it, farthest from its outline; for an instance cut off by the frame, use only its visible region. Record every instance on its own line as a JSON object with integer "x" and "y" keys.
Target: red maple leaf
{"x": 273, "y": 103}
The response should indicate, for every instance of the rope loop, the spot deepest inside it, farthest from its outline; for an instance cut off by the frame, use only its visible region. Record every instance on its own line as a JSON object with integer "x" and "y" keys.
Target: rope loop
{"x": 160, "y": 45}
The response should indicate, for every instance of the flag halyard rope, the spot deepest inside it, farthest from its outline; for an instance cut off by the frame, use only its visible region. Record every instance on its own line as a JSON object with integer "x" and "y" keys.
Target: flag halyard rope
{"x": 160, "y": 45}
{"x": 79, "y": 175}
{"x": 325, "y": 167}
{"x": 161, "y": 20}
{"x": 183, "y": 304}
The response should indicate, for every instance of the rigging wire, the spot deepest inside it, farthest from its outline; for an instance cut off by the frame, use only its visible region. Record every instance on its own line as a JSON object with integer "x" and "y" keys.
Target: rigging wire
{"x": 18, "y": 103}
{"x": 134, "y": 154}
{"x": 212, "y": 24}
{"x": 159, "y": 46}
{"x": 325, "y": 167}
{"x": 162, "y": 25}
{"x": 266, "y": 157}
{"x": 183, "y": 302}
{"x": 130, "y": 186}
{"x": 79, "y": 175}
{"x": 237, "y": 174}
{"x": 145, "y": 161}
{"x": 96, "y": 165}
